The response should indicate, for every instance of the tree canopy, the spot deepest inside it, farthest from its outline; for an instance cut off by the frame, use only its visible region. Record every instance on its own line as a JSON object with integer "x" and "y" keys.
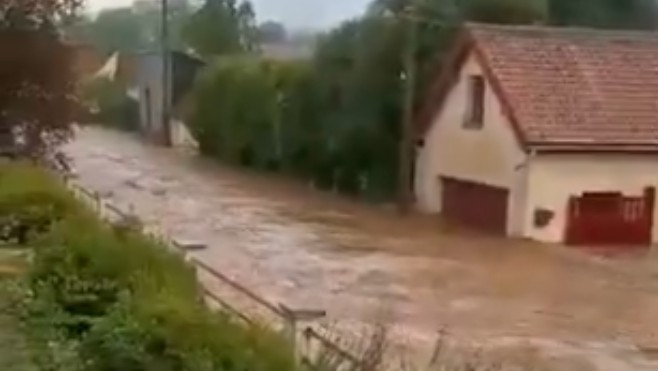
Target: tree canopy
{"x": 221, "y": 27}
{"x": 37, "y": 83}
{"x": 36, "y": 13}
{"x": 130, "y": 29}
{"x": 632, "y": 14}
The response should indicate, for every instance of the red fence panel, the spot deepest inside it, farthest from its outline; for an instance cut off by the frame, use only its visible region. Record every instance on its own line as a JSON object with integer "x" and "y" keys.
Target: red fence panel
{"x": 610, "y": 218}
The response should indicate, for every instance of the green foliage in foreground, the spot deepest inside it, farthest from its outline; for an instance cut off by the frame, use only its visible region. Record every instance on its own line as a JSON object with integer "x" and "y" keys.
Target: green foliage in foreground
{"x": 103, "y": 300}
{"x": 14, "y": 350}
{"x": 30, "y": 202}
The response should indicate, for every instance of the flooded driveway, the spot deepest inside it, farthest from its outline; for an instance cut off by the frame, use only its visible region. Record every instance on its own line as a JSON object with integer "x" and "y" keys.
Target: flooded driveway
{"x": 363, "y": 263}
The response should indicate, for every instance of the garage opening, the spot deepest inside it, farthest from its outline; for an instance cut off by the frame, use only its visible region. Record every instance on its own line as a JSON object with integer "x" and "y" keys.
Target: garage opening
{"x": 610, "y": 219}
{"x": 475, "y": 205}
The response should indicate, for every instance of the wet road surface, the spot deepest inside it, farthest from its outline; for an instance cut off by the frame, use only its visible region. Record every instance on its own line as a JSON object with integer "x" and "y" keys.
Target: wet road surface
{"x": 364, "y": 264}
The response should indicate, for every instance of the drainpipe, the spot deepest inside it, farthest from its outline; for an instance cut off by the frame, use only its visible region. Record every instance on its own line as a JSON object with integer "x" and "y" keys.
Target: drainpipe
{"x": 523, "y": 170}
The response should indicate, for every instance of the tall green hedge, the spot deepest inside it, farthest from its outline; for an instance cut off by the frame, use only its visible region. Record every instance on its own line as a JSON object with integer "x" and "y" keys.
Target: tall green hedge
{"x": 252, "y": 112}
{"x": 282, "y": 115}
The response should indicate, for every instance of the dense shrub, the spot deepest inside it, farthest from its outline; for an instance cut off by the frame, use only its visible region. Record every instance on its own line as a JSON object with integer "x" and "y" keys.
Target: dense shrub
{"x": 161, "y": 331}
{"x": 251, "y": 112}
{"x": 107, "y": 300}
{"x": 30, "y": 201}
{"x": 131, "y": 304}
{"x": 283, "y": 115}
{"x": 110, "y": 104}
{"x": 280, "y": 115}
{"x": 81, "y": 269}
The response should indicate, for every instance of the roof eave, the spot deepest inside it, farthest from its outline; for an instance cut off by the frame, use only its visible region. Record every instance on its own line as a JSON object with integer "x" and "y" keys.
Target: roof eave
{"x": 590, "y": 147}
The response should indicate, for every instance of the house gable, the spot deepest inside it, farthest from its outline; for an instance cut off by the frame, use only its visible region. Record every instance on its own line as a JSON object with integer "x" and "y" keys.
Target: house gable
{"x": 487, "y": 155}
{"x": 490, "y": 155}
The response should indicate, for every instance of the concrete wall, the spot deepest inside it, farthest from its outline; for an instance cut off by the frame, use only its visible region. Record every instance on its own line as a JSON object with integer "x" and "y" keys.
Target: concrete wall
{"x": 490, "y": 155}
{"x": 554, "y": 178}
{"x": 181, "y": 136}
{"x": 149, "y": 78}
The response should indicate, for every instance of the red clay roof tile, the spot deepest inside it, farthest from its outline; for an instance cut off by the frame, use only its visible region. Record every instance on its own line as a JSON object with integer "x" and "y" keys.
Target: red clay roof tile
{"x": 575, "y": 86}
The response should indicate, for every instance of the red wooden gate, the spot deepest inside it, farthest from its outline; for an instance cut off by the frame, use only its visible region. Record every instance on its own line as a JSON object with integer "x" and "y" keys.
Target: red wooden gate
{"x": 610, "y": 218}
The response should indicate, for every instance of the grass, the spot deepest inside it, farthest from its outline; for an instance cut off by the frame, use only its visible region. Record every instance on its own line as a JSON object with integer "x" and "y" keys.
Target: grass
{"x": 15, "y": 354}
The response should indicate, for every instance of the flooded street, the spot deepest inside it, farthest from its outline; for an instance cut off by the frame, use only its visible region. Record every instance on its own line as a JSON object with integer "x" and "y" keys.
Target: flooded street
{"x": 363, "y": 264}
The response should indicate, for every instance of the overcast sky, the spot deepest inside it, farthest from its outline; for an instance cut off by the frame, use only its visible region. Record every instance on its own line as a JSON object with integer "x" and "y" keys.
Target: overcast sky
{"x": 294, "y": 13}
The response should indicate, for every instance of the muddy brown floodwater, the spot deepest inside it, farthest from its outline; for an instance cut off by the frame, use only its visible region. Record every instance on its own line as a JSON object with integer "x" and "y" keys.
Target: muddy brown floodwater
{"x": 363, "y": 263}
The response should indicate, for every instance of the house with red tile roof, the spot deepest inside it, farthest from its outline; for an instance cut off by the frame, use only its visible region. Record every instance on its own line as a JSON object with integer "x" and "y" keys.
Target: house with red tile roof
{"x": 544, "y": 133}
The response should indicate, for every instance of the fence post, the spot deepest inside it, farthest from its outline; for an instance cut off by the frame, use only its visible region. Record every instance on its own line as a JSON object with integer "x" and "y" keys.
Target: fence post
{"x": 98, "y": 201}
{"x": 290, "y": 327}
{"x": 293, "y": 318}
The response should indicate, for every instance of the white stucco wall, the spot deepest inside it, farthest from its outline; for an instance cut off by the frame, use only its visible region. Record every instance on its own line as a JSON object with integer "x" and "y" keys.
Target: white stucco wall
{"x": 149, "y": 76}
{"x": 491, "y": 155}
{"x": 555, "y": 177}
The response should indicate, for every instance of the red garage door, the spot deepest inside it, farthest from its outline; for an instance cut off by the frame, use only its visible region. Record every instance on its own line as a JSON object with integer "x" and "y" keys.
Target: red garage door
{"x": 475, "y": 205}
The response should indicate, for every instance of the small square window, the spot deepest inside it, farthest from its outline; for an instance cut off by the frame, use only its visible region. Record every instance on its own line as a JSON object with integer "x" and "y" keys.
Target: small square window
{"x": 474, "y": 117}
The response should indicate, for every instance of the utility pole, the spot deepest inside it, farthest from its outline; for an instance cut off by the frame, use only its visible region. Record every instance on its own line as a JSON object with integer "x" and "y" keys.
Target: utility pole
{"x": 278, "y": 139}
{"x": 166, "y": 75}
{"x": 405, "y": 172}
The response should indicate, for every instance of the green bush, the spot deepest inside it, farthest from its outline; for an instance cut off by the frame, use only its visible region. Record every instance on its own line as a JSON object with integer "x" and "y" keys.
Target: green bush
{"x": 110, "y": 105}
{"x": 99, "y": 299}
{"x": 160, "y": 331}
{"x": 290, "y": 116}
{"x": 254, "y": 112}
{"x": 133, "y": 305}
{"x": 31, "y": 200}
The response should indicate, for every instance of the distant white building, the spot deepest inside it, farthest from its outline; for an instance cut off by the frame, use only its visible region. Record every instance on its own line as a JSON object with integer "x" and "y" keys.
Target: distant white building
{"x": 149, "y": 86}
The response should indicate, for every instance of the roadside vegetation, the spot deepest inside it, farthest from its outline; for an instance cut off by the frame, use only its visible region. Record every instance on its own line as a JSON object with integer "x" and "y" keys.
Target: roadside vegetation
{"x": 95, "y": 297}
{"x": 109, "y": 105}
{"x": 15, "y": 352}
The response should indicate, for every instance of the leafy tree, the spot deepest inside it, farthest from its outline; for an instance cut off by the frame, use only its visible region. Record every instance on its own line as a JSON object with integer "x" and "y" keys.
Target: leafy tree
{"x": 639, "y": 14}
{"x": 132, "y": 28}
{"x": 505, "y": 11}
{"x": 37, "y": 91}
{"x": 118, "y": 30}
{"x": 275, "y": 134}
{"x": 36, "y": 13}
{"x": 221, "y": 27}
